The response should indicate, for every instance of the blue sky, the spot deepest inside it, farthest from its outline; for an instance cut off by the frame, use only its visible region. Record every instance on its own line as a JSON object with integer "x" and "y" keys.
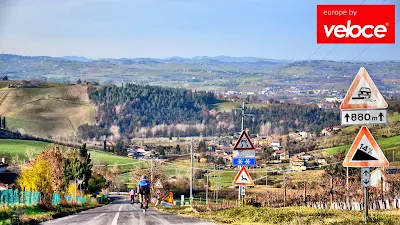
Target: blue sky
{"x": 281, "y": 29}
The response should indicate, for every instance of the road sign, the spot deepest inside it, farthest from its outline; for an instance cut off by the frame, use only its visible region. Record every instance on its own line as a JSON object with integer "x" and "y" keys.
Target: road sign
{"x": 243, "y": 178}
{"x": 244, "y": 143}
{"x": 371, "y": 116}
{"x": 365, "y": 177}
{"x": 243, "y": 161}
{"x": 168, "y": 198}
{"x": 363, "y": 94}
{"x": 158, "y": 192}
{"x": 243, "y": 153}
{"x": 365, "y": 152}
{"x": 153, "y": 200}
{"x": 167, "y": 204}
{"x": 158, "y": 184}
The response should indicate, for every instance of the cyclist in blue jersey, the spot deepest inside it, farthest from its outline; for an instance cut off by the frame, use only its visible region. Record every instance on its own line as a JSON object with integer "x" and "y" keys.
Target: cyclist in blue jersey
{"x": 144, "y": 191}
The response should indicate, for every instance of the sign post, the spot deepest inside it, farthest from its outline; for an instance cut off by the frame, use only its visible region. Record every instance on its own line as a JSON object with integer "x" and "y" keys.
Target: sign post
{"x": 243, "y": 154}
{"x": 365, "y": 180}
{"x": 158, "y": 185}
{"x": 364, "y": 104}
{"x": 243, "y": 179}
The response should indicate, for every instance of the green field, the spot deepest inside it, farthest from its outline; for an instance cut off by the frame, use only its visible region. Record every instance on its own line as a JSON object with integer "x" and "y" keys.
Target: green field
{"x": 392, "y": 143}
{"x": 18, "y": 147}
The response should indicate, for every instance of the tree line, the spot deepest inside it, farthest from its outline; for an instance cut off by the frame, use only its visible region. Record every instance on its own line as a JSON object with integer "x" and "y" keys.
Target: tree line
{"x": 152, "y": 111}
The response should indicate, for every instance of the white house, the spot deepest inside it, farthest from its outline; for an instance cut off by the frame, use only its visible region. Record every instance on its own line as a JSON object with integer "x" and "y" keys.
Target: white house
{"x": 276, "y": 145}
{"x": 389, "y": 176}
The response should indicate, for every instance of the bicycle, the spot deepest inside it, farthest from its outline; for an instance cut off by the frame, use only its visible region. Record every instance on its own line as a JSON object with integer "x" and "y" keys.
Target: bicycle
{"x": 145, "y": 204}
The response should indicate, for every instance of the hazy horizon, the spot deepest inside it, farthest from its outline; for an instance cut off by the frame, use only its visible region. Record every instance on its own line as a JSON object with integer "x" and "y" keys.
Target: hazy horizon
{"x": 98, "y": 29}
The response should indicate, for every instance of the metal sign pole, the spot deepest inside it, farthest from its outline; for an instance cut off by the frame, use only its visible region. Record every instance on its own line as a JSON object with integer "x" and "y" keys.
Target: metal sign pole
{"x": 366, "y": 204}
{"x": 365, "y": 180}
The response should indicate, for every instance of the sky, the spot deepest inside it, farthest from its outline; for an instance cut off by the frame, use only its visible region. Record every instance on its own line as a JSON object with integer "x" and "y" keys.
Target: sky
{"x": 275, "y": 29}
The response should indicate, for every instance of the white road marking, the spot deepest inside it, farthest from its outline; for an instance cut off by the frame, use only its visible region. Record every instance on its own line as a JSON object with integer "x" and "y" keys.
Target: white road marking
{"x": 115, "y": 220}
{"x": 94, "y": 218}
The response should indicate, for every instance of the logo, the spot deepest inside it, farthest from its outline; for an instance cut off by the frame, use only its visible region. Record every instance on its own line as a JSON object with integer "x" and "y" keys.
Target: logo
{"x": 356, "y": 24}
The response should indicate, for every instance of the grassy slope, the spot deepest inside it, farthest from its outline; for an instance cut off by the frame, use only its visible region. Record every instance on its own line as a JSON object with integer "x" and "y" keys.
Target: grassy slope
{"x": 57, "y": 111}
{"x": 18, "y": 147}
{"x": 384, "y": 144}
{"x": 291, "y": 215}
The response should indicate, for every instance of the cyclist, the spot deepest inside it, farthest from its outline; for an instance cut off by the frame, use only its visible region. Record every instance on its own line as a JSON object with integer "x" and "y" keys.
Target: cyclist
{"x": 132, "y": 194}
{"x": 144, "y": 191}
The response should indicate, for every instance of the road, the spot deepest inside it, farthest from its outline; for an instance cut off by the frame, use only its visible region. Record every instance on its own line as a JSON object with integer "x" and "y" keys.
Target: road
{"x": 121, "y": 211}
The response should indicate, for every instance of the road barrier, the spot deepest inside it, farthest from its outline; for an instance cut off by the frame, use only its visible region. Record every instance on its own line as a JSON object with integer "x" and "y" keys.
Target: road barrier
{"x": 15, "y": 197}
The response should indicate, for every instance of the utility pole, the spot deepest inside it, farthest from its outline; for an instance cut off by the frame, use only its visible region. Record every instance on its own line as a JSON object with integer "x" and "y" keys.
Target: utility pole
{"x": 347, "y": 187}
{"x": 152, "y": 174}
{"x": 393, "y": 154}
{"x": 305, "y": 193}
{"x": 215, "y": 185}
{"x": 191, "y": 172}
{"x": 207, "y": 187}
{"x": 284, "y": 195}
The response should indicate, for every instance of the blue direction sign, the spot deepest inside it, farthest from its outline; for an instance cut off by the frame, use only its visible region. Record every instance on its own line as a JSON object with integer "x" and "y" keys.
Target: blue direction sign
{"x": 243, "y": 161}
{"x": 169, "y": 205}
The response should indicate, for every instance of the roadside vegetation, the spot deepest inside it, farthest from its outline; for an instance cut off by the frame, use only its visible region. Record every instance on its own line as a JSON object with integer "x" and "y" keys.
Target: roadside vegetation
{"x": 290, "y": 215}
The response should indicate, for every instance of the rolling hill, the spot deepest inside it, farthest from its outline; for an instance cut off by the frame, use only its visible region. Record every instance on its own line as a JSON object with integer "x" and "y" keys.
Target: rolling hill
{"x": 55, "y": 110}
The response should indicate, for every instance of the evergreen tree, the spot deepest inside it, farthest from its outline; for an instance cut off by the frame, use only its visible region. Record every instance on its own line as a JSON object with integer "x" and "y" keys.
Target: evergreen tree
{"x": 202, "y": 146}
{"x": 178, "y": 149}
{"x": 85, "y": 164}
{"x": 105, "y": 145}
{"x": 4, "y": 123}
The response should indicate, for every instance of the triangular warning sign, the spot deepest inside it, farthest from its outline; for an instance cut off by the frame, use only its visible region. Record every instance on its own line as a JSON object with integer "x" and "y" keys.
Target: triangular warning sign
{"x": 363, "y": 94}
{"x": 168, "y": 198}
{"x": 244, "y": 142}
{"x": 243, "y": 178}
{"x": 365, "y": 152}
{"x": 158, "y": 184}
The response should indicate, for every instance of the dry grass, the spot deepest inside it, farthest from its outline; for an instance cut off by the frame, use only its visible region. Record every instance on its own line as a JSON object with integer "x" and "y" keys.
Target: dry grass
{"x": 56, "y": 111}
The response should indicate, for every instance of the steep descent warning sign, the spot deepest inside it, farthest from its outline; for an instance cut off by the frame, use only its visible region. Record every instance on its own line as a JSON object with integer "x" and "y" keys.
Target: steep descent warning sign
{"x": 244, "y": 143}
{"x": 365, "y": 152}
{"x": 243, "y": 178}
{"x": 168, "y": 198}
{"x": 363, "y": 94}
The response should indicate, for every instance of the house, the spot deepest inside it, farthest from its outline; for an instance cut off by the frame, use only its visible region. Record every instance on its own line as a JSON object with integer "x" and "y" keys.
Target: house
{"x": 297, "y": 164}
{"x": 212, "y": 147}
{"x": 305, "y": 156}
{"x": 8, "y": 177}
{"x": 326, "y": 132}
{"x": 390, "y": 176}
{"x": 298, "y": 168}
{"x": 276, "y": 145}
{"x": 262, "y": 140}
{"x": 304, "y": 134}
{"x": 321, "y": 161}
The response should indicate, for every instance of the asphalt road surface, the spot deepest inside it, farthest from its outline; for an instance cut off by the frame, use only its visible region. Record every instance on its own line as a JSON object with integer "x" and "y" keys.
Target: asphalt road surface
{"x": 122, "y": 212}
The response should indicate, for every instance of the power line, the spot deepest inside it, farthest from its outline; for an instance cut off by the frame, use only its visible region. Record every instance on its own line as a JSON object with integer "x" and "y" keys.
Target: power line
{"x": 338, "y": 46}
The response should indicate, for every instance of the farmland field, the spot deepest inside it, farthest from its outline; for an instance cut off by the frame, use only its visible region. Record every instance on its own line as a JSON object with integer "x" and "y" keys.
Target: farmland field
{"x": 18, "y": 147}
{"x": 55, "y": 111}
{"x": 392, "y": 143}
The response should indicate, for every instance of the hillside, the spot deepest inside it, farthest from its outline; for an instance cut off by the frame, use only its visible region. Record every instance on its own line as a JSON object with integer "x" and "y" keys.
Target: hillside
{"x": 203, "y": 73}
{"x": 55, "y": 110}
